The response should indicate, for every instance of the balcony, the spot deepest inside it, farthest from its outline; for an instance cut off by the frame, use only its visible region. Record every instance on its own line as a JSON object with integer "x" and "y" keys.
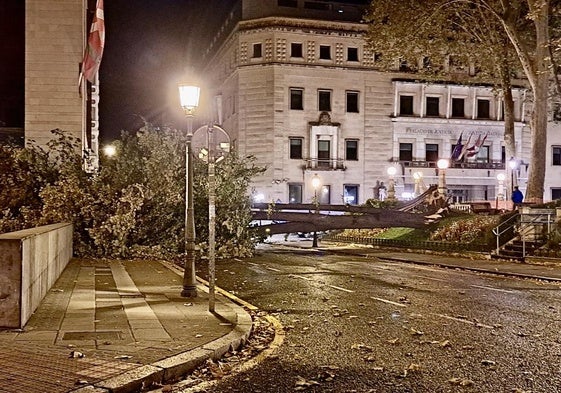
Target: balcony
{"x": 324, "y": 164}
{"x": 457, "y": 165}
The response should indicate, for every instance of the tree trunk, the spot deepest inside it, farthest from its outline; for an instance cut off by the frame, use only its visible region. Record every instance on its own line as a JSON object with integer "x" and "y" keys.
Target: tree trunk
{"x": 536, "y": 177}
{"x": 510, "y": 145}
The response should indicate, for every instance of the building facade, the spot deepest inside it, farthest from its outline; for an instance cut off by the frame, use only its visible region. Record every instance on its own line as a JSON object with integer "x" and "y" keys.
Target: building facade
{"x": 301, "y": 93}
{"x": 44, "y": 41}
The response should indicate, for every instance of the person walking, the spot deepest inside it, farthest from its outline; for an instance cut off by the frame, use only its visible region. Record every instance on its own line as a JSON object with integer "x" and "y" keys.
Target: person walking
{"x": 517, "y": 197}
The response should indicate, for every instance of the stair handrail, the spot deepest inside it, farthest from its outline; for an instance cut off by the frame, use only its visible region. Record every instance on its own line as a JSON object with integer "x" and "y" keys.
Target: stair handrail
{"x": 517, "y": 218}
{"x": 498, "y": 232}
{"x": 538, "y": 217}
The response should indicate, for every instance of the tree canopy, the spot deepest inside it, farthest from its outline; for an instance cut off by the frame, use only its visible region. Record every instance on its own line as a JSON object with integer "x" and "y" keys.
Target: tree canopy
{"x": 135, "y": 205}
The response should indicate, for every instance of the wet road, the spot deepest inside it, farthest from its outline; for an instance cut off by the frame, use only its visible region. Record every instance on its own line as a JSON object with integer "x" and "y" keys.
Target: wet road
{"x": 357, "y": 324}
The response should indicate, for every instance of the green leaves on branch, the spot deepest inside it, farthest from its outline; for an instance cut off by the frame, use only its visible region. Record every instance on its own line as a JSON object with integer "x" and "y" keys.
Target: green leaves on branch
{"x": 135, "y": 205}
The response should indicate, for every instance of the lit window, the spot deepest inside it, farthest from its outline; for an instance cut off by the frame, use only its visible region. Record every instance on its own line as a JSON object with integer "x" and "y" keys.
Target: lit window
{"x": 482, "y": 154}
{"x": 350, "y": 194}
{"x": 295, "y": 193}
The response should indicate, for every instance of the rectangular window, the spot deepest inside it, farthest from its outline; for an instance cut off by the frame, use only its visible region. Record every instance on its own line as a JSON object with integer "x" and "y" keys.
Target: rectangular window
{"x": 483, "y": 109}
{"x": 324, "y": 153}
{"x": 431, "y": 152}
{"x": 324, "y": 100}
{"x": 405, "y": 105}
{"x": 296, "y": 50}
{"x": 352, "y": 101}
{"x": 257, "y": 50}
{"x": 352, "y": 54}
{"x": 324, "y": 195}
{"x": 433, "y": 104}
{"x": 351, "y": 149}
{"x": 482, "y": 154}
{"x": 556, "y": 159}
{"x": 297, "y": 99}
{"x": 555, "y": 193}
{"x": 350, "y": 194}
{"x": 458, "y": 107}
{"x": 288, "y": 3}
{"x": 296, "y": 145}
{"x": 325, "y": 52}
{"x": 405, "y": 152}
{"x": 295, "y": 193}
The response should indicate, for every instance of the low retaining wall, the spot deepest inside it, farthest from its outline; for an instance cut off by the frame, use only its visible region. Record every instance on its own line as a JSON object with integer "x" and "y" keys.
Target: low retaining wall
{"x": 31, "y": 261}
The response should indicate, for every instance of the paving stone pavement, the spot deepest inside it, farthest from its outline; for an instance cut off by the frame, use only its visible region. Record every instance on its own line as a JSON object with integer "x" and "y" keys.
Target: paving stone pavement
{"x": 116, "y": 326}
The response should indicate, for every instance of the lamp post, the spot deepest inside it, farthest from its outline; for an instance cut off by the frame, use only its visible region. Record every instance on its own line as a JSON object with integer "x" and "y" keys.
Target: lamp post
{"x": 513, "y": 164}
{"x": 316, "y": 182}
{"x": 189, "y": 99}
{"x": 391, "y": 186}
{"x": 501, "y": 190}
{"x": 211, "y": 143}
{"x": 418, "y": 176}
{"x": 442, "y": 165}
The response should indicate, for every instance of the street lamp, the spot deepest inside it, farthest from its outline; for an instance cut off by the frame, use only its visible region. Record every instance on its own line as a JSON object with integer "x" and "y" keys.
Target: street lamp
{"x": 109, "y": 151}
{"x": 391, "y": 187}
{"x": 442, "y": 165}
{"x": 189, "y": 99}
{"x": 513, "y": 164}
{"x": 316, "y": 182}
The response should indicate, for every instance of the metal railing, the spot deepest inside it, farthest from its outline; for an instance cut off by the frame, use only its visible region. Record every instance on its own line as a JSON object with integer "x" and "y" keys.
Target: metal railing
{"x": 415, "y": 244}
{"x": 524, "y": 226}
{"x": 324, "y": 164}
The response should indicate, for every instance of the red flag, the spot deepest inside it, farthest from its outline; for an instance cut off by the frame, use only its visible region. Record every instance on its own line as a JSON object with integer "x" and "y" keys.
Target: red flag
{"x": 94, "y": 48}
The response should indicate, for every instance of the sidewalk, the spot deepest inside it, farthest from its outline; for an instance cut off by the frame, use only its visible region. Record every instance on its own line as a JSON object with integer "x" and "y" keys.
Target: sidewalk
{"x": 115, "y": 326}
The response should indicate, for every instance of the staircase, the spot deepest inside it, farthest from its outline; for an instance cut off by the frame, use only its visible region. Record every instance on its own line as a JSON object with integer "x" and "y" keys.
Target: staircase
{"x": 517, "y": 250}
{"x": 523, "y": 233}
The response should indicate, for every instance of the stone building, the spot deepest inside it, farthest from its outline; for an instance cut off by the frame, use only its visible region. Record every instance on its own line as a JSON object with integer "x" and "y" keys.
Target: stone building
{"x": 43, "y": 43}
{"x": 300, "y": 92}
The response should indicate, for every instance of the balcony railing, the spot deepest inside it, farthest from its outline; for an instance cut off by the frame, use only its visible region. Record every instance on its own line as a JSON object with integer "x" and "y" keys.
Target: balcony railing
{"x": 324, "y": 165}
{"x": 460, "y": 165}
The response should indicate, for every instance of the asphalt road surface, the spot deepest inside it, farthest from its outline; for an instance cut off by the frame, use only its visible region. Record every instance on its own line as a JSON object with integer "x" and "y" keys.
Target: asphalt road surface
{"x": 357, "y": 324}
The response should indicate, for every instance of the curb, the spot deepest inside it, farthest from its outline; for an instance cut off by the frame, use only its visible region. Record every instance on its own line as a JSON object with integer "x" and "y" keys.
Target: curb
{"x": 175, "y": 367}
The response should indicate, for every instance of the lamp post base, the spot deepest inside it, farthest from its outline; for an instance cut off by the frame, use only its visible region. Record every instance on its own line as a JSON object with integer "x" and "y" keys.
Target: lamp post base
{"x": 315, "y": 240}
{"x": 189, "y": 291}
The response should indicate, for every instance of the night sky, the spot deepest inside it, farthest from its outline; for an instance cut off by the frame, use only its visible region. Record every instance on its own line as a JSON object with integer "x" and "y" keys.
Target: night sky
{"x": 150, "y": 46}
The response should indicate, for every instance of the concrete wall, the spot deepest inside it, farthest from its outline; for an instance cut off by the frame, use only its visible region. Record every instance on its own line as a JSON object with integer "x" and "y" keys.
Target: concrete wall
{"x": 31, "y": 261}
